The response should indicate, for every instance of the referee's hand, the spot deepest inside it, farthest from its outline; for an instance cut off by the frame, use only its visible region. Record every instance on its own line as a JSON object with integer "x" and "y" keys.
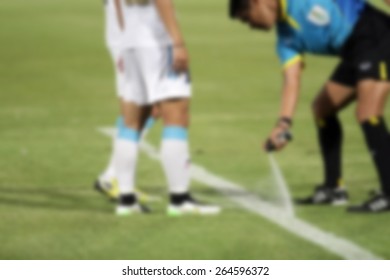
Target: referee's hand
{"x": 388, "y": 2}
{"x": 277, "y": 139}
{"x": 180, "y": 59}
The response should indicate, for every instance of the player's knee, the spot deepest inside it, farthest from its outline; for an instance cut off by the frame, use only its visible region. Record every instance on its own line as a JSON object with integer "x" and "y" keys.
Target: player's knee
{"x": 132, "y": 123}
{"x": 180, "y": 118}
{"x": 323, "y": 114}
{"x": 316, "y": 109}
{"x": 363, "y": 117}
{"x": 176, "y": 113}
{"x": 323, "y": 109}
{"x": 320, "y": 109}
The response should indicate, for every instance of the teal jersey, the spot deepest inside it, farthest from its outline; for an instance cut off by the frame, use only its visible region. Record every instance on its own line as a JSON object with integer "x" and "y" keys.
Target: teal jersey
{"x": 315, "y": 26}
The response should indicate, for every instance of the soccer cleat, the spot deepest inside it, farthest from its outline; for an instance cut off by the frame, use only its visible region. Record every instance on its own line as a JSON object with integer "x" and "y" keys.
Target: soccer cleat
{"x": 379, "y": 203}
{"x": 109, "y": 188}
{"x": 192, "y": 207}
{"x": 326, "y": 195}
{"x": 144, "y": 198}
{"x": 128, "y": 210}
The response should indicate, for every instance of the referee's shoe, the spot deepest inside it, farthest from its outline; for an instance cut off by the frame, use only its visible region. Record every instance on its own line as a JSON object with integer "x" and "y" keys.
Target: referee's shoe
{"x": 324, "y": 195}
{"x": 378, "y": 203}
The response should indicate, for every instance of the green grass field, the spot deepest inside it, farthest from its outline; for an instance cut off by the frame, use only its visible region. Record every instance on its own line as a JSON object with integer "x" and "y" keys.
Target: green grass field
{"x": 56, "y": 87}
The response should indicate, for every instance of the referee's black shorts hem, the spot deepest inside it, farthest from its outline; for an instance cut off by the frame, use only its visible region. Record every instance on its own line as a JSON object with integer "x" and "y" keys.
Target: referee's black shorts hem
{"x": 366, "y": 54}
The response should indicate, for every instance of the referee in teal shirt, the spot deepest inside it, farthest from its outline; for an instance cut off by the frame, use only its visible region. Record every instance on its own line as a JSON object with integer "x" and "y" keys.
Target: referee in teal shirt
{"x": 360, "y": 35}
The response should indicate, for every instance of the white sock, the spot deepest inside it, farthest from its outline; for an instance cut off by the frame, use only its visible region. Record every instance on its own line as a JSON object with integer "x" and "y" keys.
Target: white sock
{"x": 126, "y": 155}
{"x": 109, "y": 173}
{"x": 176, "y": 159}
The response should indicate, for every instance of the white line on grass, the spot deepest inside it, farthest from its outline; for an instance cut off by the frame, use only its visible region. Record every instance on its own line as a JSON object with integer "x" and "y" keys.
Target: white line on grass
{"x": 330, "y": 242}
{"x": 282, "y": 186}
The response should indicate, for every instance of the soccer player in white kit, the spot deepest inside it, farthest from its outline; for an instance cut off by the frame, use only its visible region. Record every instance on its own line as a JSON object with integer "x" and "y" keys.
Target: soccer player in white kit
{"x": 107, "y": 182}
{"x": 155, "y": 67}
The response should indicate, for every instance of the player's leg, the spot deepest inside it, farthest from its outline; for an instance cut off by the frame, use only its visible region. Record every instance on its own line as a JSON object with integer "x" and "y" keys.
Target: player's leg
{"x": 372, "y": 97}
{"x": 172, "y": 92}
{"x": 126, "y": 156}
{"x": 107, "y": 182}
{"x": 175, "y": 158}
{"x": 333, "y": 98}
{"x": 153, "y": 117}
{"x": 336, "y": 94}
{"x": 372, "y": 67}
{"x": 175, "y": 154}
{"x": 134, "y": 112}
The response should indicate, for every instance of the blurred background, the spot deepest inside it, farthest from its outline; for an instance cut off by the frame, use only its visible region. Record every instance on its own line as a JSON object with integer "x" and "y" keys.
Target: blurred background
{"x": 57, "y": 89}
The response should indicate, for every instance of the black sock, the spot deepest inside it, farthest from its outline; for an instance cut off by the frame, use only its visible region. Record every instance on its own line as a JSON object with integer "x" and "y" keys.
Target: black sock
{"x": 330, "y": 136}
{"x": 377, "y": 139}
{"x": 128, "y": 199}
{"x": 178, "y": 199}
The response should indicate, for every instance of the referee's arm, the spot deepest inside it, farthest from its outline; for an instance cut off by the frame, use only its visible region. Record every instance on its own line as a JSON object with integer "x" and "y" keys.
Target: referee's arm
{"x": 290, "y": 93}
{"x": 290, "y": 90}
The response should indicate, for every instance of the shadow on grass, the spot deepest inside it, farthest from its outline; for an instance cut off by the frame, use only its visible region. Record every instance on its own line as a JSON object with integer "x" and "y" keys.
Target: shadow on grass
{"x": 41, "y": 198}
{"x": 86, "y": 199}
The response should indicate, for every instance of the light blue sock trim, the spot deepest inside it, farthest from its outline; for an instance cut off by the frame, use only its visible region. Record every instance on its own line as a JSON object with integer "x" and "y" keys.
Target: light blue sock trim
{"x": 120, "y": 122}
{"x": 129, "y": 134}
{"x": 175, "y": 132}
{"x": 149, "y": 123}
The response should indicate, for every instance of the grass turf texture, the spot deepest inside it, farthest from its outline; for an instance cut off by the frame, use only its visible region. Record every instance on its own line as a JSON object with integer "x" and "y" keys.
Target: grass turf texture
{"x": 57, "y": 88}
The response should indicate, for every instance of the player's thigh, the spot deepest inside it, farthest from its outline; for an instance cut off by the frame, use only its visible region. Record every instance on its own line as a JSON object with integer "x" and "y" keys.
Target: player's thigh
{"x": 134, "y": 105}
{"x": 134, "y": 85}
{"x": 373, "y": 71}
{"x": 171, "y": 90}
{"x": 134, "y": 115}
{"x": 332, "y": 98}
{"x": 337, "y": 93}
{"x": 175, "y": 111}
{"x": 372, "y": 96}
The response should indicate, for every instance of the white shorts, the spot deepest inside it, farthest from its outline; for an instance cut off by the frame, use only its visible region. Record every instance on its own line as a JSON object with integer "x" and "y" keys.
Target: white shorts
{"x": 150, "y": 78}
{"x": 119, "y": 76}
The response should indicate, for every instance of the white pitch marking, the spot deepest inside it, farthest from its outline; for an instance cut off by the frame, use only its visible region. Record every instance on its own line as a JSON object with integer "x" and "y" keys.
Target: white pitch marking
{"x": 328, "y": 241}
{"x": 282, "y": 186}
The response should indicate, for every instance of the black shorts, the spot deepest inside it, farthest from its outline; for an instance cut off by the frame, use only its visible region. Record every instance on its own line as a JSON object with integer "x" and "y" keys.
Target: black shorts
{"x": 366, "y": 54}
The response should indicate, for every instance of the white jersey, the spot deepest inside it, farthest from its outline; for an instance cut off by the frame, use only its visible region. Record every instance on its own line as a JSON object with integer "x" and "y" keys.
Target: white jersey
{"x": 113, "y": 32}
{"x": 143, "y": 25}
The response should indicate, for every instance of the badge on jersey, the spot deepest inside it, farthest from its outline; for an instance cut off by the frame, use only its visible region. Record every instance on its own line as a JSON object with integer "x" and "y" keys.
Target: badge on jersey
{"x": 319, "y": 16}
